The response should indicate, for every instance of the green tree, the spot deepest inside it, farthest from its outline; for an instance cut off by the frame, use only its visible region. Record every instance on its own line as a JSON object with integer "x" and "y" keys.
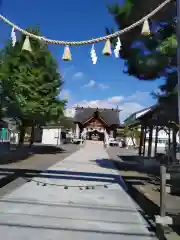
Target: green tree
{"x": 149, "y": 57}
{"x": 132, "y": 132}
{"x": 66, "y": 122}
{"x": 30, "y": 83}
{"x": 133, "y": 10}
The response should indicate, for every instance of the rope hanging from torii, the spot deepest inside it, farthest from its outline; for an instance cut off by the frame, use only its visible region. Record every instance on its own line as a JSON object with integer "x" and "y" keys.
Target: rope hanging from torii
{"x": 107, "y": 48}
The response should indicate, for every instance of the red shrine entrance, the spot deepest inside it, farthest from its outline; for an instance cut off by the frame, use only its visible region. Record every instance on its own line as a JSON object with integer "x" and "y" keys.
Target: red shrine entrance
{"x": 95, "y": 127}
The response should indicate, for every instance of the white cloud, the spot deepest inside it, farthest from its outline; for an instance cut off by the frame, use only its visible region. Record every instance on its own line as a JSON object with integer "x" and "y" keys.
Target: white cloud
{"x": 126, "y": 106}
{"x": 115, "y": 99}
{"x": 137, "y": 96}
{"x": 78, "y": 75}
{"x": 91, "y": 83}
{"x": 103, "y": 103}
{"x": 96, "y": 103}
{"x": 103, "y": 86}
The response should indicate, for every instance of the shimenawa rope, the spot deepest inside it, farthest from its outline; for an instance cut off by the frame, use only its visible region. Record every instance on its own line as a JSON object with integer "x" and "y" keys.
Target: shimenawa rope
{"x": 95, "y": 40}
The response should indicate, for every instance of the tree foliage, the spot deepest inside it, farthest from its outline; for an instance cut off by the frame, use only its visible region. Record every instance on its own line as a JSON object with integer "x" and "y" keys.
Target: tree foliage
{"x": 149, "y": 57}
{"x": 30, "y": 83}
{"x": 132, "y": 133}
{"x": 65, "y": 122}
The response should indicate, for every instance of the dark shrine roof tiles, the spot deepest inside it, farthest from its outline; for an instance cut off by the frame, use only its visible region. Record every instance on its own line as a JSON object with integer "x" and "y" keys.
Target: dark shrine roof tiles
{"x": 110, "y": 116}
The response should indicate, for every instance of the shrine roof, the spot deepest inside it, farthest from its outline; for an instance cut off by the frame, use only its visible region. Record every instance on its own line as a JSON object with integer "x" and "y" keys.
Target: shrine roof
{"x": 110, "y": 116}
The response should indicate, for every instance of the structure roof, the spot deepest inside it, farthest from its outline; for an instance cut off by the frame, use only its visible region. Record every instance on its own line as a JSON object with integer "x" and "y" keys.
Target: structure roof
{"x": 111, "y": 116}
{"x": 134, "y": 117}
{"x": 161, "y": 115}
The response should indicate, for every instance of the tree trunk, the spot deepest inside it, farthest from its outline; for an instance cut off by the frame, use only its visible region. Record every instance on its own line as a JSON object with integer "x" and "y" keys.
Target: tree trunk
{"x": 22, "y": 135}
{"x": 31, "y": 140}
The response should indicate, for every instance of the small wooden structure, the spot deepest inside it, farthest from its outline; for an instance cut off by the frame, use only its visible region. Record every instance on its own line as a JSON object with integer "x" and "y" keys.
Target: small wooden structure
{"x": 53, "y": 135}
{"x": 157, "y": 117}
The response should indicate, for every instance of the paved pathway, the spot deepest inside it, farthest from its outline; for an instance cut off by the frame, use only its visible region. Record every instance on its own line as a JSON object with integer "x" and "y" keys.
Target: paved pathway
{"x": 51, "y": 212}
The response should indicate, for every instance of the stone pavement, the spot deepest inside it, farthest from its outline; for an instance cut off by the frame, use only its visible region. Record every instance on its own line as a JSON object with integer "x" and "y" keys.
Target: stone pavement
{"x": 44, "y": 209}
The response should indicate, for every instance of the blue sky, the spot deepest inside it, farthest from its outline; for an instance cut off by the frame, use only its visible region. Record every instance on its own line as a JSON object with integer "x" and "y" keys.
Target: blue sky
{"x": 103, "y": 84}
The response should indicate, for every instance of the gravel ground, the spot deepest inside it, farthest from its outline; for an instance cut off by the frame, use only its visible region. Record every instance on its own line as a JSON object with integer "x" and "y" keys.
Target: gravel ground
{"x": 38, "y": 157}
{"x": 115, "y": 152}
{"x": 144, "y": 191}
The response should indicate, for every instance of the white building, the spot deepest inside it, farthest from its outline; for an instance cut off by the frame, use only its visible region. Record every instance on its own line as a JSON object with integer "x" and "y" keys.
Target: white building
{"x": 163, "y": 138}
{"x": 163, "y": 134}
{"x": 52, "y": 135}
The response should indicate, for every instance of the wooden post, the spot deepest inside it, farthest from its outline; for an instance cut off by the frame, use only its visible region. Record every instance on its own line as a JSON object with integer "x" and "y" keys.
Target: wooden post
{"x": 169, "y": 138}
{"x": 163, "y": 190}
{"x": 144, "y": 142}
{"x": 141, "y": 140}
{"x": 150, "y": 141}
{"x": 162, "y": 220}
{"x": 115, "y": 133}
{"x": 174, "y": 145}
{"x": 156, "y": 141}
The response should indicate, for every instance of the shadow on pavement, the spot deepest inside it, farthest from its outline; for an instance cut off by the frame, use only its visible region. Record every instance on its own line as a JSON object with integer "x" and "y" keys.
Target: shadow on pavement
{"x": 128, "y": 158}
{"x": 12, "y": 174}
{"x": 128, "y": 166}
{"x": 19, "y": 154}
{"x": 97, "y": 178}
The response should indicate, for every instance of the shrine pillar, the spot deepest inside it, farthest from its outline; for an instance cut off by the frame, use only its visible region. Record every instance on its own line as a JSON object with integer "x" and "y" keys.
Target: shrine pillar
{"x": 77, "y": 130}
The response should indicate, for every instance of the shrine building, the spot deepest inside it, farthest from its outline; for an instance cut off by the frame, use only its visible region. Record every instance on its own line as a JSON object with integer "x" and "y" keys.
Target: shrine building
{"x": 96, "y": 123}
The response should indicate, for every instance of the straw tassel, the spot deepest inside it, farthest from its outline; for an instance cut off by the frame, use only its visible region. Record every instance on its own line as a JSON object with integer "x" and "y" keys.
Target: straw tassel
{"x": 13, "y": 37}
{"x": 117, "y": 48}
{"x": 26, "y": 45}
{"x": 146, "y": 29}
{"x": 93, "y": 55}
{"x": 67, "y": 54}
{"x": 107, "y": 48}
